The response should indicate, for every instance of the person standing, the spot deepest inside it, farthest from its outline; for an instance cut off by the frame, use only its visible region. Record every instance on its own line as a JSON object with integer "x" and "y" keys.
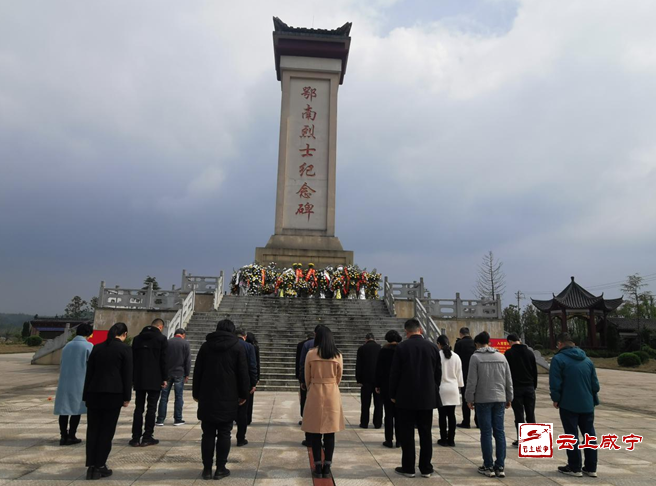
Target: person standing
{"x": 324, "y": 415}
{"x": 301, "y": 373}
{"x": 150, "y": 370}
{"x": 107, "y": 388}
{"x": 415, "y": 389}
{"x": 490, "y": 390}
{"x": 178, "y": 365}
{"x": 365, "y": 375}
{"x": 242, "y": 417}
{"x": 72, "y": 372}
{"x": 302, "y": 391}
{"x": 252, "y": 340}
{"x": 465, "y": 348}
{"x": 574, "y": 391}
{"x": 450, "y": 387}
{"x": 383, "y": 369}
{"x": 524, "y": 371}
{"x": 221, "y": 386}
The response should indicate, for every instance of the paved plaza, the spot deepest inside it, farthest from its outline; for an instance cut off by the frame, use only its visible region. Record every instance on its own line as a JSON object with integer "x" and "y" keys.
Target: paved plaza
{"x": 30, "y": 454}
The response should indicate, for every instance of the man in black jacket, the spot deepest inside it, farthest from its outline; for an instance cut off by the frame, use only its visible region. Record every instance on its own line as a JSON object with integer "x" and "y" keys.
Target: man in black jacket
{"x": 365, "y": 375}
{"x": 464, "y": 348}
{"x": 524, "y": 371}
{"x": 221, "y": 385}
{"x": 150, "y": 370}
{"x": 415, "y": 389}
{"x": 383, "y": 369}
{"x": 302, "y": 392}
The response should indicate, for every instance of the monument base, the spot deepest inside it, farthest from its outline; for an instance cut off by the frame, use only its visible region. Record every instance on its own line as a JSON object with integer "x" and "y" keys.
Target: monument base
{"x": 286, "y": 250}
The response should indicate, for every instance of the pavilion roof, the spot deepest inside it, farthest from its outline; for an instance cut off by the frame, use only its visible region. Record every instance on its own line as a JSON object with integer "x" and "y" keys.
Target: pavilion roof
{"x": 575, "y": 297}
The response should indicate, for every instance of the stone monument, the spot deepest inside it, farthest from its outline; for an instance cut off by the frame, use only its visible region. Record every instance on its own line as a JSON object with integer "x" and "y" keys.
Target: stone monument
{"x": 310, "y": 64}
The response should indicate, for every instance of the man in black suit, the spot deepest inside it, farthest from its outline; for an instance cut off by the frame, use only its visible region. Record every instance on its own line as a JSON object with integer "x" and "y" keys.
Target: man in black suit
{"x": 465, "y": 348}
{"x": 150, "y": 373}
{"x": 365, "y": 375}
{"x": 415, "y": 389}
{"x": 299, "y": 349}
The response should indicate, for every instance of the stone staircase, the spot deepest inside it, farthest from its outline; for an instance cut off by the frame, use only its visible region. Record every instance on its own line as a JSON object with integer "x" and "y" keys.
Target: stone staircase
{"x": 280, "y": 323}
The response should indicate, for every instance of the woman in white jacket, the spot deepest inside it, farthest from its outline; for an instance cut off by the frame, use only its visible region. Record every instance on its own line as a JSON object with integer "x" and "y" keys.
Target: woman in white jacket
{"x": 449, "y": 391}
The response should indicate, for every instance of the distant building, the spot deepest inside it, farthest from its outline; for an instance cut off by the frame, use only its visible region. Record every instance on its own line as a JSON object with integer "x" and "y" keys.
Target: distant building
{"x": 628, "y": 326}
{"x": 51, "y": 327}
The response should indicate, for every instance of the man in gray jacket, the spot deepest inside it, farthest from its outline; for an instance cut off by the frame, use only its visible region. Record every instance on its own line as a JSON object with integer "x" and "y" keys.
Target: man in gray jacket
{"x": 490, "y": 390}
{"x": 178, "y": 364}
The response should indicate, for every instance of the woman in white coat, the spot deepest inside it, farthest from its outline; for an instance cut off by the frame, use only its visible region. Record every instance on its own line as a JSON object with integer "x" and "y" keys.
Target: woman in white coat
{"x": 449, "y": 391}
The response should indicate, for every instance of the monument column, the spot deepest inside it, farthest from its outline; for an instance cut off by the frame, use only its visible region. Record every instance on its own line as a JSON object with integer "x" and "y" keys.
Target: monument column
{"x": 310, "y": 64}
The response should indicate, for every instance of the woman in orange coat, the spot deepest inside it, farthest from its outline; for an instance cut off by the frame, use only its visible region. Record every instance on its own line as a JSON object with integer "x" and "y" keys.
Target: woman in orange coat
{"x": 323, "y": 414}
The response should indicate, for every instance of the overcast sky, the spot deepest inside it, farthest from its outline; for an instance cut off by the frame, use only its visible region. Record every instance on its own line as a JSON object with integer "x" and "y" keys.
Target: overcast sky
{"x": 141, "y": 138}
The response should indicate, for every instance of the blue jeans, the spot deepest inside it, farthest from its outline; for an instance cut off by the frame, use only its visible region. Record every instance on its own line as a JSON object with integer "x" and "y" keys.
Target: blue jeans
{"x": 490, "y": 422}
{"x": 178, "y": 383}
{"x": 572, "y": 422}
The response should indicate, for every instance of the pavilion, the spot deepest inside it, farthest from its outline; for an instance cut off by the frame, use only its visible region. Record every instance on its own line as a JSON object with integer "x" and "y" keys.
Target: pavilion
{"x": 575, "y": 301}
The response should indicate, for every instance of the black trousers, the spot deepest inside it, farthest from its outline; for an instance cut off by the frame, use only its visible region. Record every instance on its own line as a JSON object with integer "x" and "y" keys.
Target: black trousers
{"x": 215, "y": 436}
{"x": 523, "y": 403}
{"x": 242, "y": 418}
{"x": 423, "y": 419}
{"x": 138, "y": 427}
{"x": 303, "y": 397}
{"x": 249, "y": 404}
{"x": 328, "y": 447}
{"x": 447, "y": 423}
{"x": 101, "y": 427}
{"x": 367, "y": 390}
{"x": 391, "y": 422}
{"x": 64, "y": 429}
{"x": 572, "y": 423}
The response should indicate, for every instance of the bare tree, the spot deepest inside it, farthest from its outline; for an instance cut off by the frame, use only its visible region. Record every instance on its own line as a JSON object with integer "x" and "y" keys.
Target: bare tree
{"x": 491, "y": 279}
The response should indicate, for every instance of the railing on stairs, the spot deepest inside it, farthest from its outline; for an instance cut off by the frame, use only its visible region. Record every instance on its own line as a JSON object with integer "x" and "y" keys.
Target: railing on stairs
{"x": 431, "y": 331}
{"x": 388, "y": 297}
{"x": 218, "y": 292}
{"x": 182, "y": 317}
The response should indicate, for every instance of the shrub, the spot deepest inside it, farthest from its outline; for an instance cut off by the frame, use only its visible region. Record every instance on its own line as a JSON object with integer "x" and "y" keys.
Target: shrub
{"x": 644, "y": 357}
{"x": 34, "y": 341}
{"x": 649, "y": 350}
{"x": 592, "y": 353}
{"x": 538, "y": 347}
{"x": 628, "y": 360}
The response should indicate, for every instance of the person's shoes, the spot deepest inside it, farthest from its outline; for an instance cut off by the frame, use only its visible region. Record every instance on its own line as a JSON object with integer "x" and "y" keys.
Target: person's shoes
{"x": 63, "y": 441}
{"x": 398, "y": 444}
{"x": 134, "y": 443}
{"x": 93, "y": 473}
{"x": 318, "y": 471}
{"x": 378, "y": 426}
{"x": 463, "y": 426}
{"x": 181, "y": 422}
{"x": 499, "y": 472}
{"x": 305, "y": 443}
{"x": 221, "y": 473}
{"x": 442, "y": 442}
{"x": 104, "y": 471}
{"x": 486, "y": 471}
{"x": 159, "y": 424}
{"x": 427, "y": 474}
{"x": 242, "y": 443}
{"x": 451, "y": 443}
{"x": 590, "y": 474}
{"x": 389, "y": 444}
{"x": 72, "y": 440}
{"x": 325, "y": 471}
{"x": 207, "y": 473}
{"x": 364, "y": 426}
{"x": 569, "y": 472}
{"x": 399, "y": 470}
{"x": 149, "y": 442}
{"x": 515, "y": 443}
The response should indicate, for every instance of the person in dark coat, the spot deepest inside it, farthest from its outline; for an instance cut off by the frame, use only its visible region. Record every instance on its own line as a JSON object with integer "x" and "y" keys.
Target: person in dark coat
{"x": 383, "y": 369}
{"x": 415, "y": 389}
{"x": 221, "y": 385}
{"x": 365, "y": 375}
{"x": 524, "y": 371}
{"x": 302, "y": 391}
{"x": 150, "y": 373}
{"x": 178, "y": 364}
{"x": 107, "y": 388}
{"x": 465, "y": 348}
{"x": 252, "y": 340}
{"x": 242, "y": 418}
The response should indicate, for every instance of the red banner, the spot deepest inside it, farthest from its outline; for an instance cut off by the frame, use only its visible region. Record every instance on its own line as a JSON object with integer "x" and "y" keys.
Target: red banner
{"x": 501, "y": 344}
{"x": 98, "y": 337}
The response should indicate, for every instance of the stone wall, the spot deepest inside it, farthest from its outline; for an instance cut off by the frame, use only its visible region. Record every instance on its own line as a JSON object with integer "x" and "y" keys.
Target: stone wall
{"x": 53, "y": 358}
{"x": 135, "y": 319}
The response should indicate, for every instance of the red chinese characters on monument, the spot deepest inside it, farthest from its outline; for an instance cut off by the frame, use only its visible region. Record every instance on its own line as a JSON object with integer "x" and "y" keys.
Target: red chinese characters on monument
{"x": 307, "y": 151}
{"x": 307, "y": 170}
{"x": 306, "y": 208}
{"x": 305, "y": 191}
{"x": 309, "y": 114}
{"x": 309, "y": 93}
{"x": 304, "y": 169}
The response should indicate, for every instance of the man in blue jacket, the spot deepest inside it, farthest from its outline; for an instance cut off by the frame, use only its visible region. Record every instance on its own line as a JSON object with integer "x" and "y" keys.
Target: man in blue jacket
{"x": 574, "y": 391}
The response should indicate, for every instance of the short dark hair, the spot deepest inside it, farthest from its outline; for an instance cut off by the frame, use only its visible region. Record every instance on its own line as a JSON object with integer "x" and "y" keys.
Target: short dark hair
{"x": 482, "y": 338}
{"x": 180, "y": 331}
{"x": 464, "y": 331}
{"x": 225, "y": 325}
{"x": 564, "y": 337}
{"x": 240, "y": 332}
{"x": 412, "y": 325}
{"x": 156, "y": 320}
{"x": 317, "y": 327}
{"x": 370, "y": 335}
{"x": 84, "y": 329}
{"x": 512, "y": 337}
{"x": 393, "y": 336}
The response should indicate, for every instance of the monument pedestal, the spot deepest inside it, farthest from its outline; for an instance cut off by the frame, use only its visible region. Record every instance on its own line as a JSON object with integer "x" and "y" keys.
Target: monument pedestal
{"x": 286, "y": 250}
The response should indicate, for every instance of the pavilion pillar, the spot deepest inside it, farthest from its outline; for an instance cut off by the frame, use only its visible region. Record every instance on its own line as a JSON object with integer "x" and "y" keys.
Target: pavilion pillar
{"x": 552, "y": 340}
{"x": 603, "y": 331}
{"x": 563, "y": 321}
{"x": 592, "y": 329}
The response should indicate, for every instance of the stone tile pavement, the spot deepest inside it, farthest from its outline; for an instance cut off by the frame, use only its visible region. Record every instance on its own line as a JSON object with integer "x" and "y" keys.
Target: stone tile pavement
{"x": 30, "y": 454}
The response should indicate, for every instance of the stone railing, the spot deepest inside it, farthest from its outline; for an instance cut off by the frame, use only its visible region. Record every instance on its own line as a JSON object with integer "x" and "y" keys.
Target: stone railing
{"x": 218, "y": 292}
{"x": 464, "y": 308}
{"x": 408, "y": 291}
{"x": 53, "y": 345}
{"x": 431, "y": 331}
{"x": 200, "y": 284}
{"x": 182, "y": 317}
{"x": 388, "y": 297}
{"x": 138, "y": 298}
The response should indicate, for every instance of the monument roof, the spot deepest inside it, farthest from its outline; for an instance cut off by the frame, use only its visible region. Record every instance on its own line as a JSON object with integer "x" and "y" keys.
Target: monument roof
{"x": 281, "y": 27}
{"x": 575, "y": 297}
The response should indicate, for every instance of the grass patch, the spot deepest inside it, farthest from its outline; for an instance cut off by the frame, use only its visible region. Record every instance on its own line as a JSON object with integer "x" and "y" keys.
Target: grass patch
{"x": 17, "y": 348}
{"x": 611, "y": 364}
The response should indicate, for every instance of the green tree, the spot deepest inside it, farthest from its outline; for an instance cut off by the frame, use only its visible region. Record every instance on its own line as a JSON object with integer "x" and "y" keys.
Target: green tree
{"x": 77, "y": 308}
{"x": 93, "y": 303}
{"x": 150, "y": 280}
{"x": 26, "y": 330}
{"x": 511, "y": 319}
